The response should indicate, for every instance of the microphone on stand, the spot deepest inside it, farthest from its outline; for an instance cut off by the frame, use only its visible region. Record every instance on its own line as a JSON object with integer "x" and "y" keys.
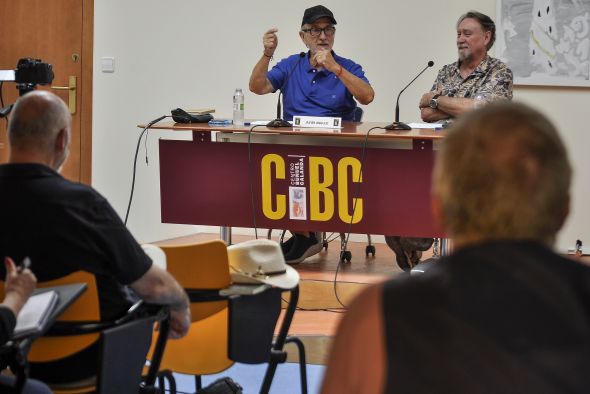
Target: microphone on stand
{"x": 397, "y": 125}
{"x": 279, "y": 121}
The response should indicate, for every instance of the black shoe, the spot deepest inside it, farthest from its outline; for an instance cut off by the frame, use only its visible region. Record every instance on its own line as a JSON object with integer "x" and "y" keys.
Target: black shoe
{"x": 223, "y": 385}
{"x": 287, "y": 245}
{"x": 393, "y": 241}
{"x": 303, "y": 248}
{"x": 408, "y": 251}
{"x": 414, "y": 257}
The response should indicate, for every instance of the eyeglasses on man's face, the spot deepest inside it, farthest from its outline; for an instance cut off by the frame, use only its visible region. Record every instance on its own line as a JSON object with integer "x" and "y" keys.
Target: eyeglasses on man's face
{"x": 316, "y": 31}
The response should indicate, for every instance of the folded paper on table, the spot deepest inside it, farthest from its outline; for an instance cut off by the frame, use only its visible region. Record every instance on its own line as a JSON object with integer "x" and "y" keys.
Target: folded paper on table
{"x": 417, "y": 125}
{"x": 34, "y": 314}
{"x": 201, "y": 111}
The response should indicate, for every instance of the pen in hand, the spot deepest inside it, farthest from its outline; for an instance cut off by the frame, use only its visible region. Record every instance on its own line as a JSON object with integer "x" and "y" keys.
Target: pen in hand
{"x": 26, "y": 263}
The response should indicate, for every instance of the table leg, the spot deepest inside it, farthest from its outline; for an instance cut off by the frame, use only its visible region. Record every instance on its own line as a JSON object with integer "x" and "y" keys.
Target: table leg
{"x": 225, "y": 234}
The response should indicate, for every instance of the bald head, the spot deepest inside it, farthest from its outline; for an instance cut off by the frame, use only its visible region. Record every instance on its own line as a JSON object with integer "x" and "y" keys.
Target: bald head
{"x": 39, "y": 127}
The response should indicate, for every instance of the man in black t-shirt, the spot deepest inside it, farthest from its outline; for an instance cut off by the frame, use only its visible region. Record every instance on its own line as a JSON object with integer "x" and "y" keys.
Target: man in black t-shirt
{"x": 503, "y": 313}
{"x": 65, "y": 226}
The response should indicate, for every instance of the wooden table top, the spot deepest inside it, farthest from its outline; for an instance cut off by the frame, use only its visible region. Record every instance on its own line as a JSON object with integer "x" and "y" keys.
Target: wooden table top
{"x": 349, "y": 129}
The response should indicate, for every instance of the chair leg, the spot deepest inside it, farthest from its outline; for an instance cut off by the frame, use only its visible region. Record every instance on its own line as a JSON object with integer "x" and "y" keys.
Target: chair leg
{"x": 445, "y": 246}
{"x": 161, "y": 383}
{"x": 164, "y": 376}
{"x": 370, "y": 248}
{"x": 278, "y": 355}
{"x": 268, "y": 376}
{"x": 171, "y": 384}
{"x": 435, "y": 250}
{"x": 302, "y": 363}
{"x": 281, "y": 237}
{"x": 283, "y": 233}
{"x": 345, "y": 254}
{"x": 198, "y": 383}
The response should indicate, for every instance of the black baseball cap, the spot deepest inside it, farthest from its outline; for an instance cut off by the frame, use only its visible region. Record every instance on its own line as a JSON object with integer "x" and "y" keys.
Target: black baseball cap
{"x": 314, "y": 13}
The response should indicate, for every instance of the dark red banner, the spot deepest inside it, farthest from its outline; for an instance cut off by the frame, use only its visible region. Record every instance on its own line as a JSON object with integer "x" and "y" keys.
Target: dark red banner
{"x": 298, "y": 187}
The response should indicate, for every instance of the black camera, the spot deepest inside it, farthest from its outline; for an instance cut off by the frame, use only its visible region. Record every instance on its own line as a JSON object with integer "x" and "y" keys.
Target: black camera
{"x": 33, "y": 71}
{"x": 28, "y": 74}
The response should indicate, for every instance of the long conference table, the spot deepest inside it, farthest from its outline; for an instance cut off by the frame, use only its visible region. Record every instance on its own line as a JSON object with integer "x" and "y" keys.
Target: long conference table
{"x": 300, "y": 178}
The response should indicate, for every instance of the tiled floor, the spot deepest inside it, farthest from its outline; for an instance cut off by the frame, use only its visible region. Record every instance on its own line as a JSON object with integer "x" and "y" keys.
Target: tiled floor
{"x": 286, "y": 379}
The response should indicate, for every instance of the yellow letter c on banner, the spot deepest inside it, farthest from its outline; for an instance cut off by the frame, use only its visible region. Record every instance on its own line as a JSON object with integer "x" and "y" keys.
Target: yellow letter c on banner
{"x": 343, "y": 192}
{"x": 266, "y": 179}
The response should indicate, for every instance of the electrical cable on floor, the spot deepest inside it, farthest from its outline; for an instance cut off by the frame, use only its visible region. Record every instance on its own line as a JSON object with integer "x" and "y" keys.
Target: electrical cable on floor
{"x": 332, "y": 237}
{"x": 333, "y": 310}
{"x": 358, "y": 189}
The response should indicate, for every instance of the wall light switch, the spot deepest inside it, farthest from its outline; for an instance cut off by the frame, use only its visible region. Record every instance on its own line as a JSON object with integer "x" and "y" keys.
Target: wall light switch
{"x": 107, "y": 64}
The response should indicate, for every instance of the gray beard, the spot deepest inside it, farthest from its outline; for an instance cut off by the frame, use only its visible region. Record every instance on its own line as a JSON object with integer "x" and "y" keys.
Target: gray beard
{"x": 464, "y": 55}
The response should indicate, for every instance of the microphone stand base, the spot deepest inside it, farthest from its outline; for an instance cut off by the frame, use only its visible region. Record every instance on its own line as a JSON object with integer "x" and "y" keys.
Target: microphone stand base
{"x": 278, "y": 123}
{"x": 398, "y": 126}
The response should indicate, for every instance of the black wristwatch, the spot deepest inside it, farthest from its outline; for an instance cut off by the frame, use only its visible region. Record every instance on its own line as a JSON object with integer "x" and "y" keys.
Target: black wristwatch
{"x": 434, "y": 101}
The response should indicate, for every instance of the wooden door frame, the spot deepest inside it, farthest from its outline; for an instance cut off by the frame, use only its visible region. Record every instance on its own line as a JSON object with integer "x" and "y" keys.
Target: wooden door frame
{"x": 86, "y": 95}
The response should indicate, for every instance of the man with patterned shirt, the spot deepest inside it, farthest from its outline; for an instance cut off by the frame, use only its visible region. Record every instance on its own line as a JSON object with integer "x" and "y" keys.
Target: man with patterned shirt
{"x": 471, "y": 81}
{"x": 475, "y": 77}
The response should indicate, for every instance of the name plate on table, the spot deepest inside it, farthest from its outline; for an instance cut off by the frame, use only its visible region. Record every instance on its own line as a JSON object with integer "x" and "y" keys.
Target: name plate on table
{"x": 317, "y": 122}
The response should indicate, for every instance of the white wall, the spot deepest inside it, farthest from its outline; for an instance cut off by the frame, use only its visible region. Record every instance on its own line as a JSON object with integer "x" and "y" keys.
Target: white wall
{"x": 188, "y": 53}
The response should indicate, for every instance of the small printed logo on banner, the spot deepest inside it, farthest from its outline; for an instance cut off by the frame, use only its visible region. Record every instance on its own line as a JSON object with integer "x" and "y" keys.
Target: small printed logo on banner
{"x": 297, "y": 203}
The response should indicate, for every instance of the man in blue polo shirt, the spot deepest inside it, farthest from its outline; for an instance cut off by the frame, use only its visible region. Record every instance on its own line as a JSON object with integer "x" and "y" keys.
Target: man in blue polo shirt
{"x": 320, "y": 83}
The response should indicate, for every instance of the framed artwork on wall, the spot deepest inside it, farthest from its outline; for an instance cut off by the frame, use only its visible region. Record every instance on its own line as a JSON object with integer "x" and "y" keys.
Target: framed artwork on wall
{"x": 545, "y": 42}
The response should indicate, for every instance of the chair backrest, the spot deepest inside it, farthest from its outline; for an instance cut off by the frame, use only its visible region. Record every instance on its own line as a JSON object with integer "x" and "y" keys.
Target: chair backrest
{"x": 123, "y": 351}
{"x": 156, "y": 254}
{"x": 85, "y": 308}
{"x": 253, "y": 321}
{"x": 200, "y": 266}
{"x": 252, "y": 326}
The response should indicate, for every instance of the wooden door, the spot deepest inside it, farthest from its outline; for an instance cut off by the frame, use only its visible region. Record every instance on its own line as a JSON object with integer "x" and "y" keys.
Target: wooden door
{"x": 58, "y": 32}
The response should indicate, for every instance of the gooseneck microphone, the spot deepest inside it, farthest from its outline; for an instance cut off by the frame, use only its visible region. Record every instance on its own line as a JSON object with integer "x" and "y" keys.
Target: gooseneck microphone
{"x": 279, "y": 121}
{"x": 397, "y": 125}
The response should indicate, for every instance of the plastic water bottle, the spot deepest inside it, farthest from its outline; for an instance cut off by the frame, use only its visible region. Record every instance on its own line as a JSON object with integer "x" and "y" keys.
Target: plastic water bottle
{"x": 238, "y": 107}
{"x": 480, "y": 100}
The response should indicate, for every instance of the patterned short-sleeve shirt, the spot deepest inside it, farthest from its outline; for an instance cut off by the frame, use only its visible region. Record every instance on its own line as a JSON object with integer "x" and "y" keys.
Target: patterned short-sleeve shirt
{"x": 492, "y": 79}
